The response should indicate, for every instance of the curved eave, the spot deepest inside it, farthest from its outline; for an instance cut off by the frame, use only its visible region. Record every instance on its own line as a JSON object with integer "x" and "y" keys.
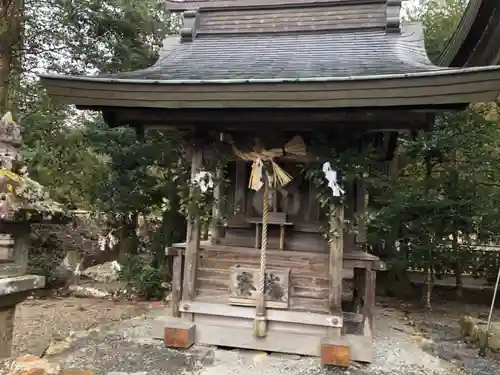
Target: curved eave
{"x": 476, "y": 41}
{"x": 444, "y": 87}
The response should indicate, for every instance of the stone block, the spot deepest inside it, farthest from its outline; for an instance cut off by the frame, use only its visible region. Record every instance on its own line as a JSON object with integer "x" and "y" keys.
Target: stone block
{"x": 6, "y": 330}
{"x": 476, "y": 331}
{"x": 32, "y": 365}
{"x": 20, "y": 284}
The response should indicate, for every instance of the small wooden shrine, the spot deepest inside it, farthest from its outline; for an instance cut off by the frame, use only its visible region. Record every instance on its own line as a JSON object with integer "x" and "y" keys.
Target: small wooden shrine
{"x": 259, "y": 80}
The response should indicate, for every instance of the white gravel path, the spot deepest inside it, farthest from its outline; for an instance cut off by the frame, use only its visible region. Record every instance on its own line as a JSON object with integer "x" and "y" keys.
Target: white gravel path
{"x": 396, "y": 353}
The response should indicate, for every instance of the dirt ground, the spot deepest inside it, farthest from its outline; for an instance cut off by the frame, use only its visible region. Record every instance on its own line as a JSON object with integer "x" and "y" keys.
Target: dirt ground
{"x": 407, "y": 342}
{"x": 38, "y": 321}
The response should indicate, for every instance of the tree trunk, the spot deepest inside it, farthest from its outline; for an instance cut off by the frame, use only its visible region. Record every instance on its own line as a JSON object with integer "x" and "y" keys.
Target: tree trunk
{"x": 429, "y": 280}
{"x": 428, "y": 244}
{"x": 491, "y": 268}
{"x": 458, "y": 265}
{"x": 128, "y": 240}
{"x": 173, "y": 229}
{"x": 205, "y": 232}
{"x": 11, "y": 31}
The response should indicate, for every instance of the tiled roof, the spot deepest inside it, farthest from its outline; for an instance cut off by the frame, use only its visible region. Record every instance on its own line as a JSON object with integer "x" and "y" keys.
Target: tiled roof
{"x": 304, "y": 55}
{"x": 346, "y": 56}
{"x": 321, "y": 17}
{"x": 176, "y": 5}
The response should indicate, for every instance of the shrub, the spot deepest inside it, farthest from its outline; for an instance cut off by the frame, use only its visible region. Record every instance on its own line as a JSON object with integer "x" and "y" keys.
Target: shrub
{"x": 140, "y": 276}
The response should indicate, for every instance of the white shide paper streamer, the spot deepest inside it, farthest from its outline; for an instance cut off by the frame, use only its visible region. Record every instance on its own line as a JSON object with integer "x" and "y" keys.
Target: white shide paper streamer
{"x": 331, "y": 177}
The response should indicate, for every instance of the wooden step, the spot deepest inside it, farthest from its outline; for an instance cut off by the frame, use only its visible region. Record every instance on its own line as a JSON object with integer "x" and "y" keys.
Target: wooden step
{"x": 222, "y": 269}
{"x": 273, "y": 257}
{"x": 298, "y": 268}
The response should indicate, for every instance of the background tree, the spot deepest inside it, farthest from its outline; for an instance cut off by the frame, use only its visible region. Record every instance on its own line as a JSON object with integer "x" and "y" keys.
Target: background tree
{"x": 445, "y": 200}
{"x": 84, "y": 164}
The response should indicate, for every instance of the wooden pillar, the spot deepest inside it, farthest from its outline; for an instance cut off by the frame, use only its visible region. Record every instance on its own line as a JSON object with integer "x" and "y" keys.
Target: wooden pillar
{"x": 369, "y": 295}
{"x": 336, "y": 261}
{"x": 176, "y": 283}
{"x": 364, "y": 293}
{"x": 241, "y": 186}
{"x": 334, "y": 349}
{"x": 192, "y": 236}
{"x": 217, "y": 208}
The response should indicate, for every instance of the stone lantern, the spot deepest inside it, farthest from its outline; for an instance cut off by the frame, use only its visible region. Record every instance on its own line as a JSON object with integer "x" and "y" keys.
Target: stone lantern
{"x": 22, "y": 203}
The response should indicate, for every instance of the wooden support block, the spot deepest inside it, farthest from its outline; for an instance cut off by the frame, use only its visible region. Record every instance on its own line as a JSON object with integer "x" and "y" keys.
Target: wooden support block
{"x": 179, "y": 335}
{"x": 335, "y": 353}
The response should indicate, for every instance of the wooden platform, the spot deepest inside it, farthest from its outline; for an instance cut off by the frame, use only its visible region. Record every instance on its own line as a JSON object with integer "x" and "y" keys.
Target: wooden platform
{"x": 302, "y": 328}
{"x": 309, "y": 271}
{"x": 288, "y": 331}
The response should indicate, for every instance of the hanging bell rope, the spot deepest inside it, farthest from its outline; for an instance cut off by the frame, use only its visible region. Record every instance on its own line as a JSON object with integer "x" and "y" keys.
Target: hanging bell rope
{"x": 276, "y": 178}
{"x": 260, "y": 326}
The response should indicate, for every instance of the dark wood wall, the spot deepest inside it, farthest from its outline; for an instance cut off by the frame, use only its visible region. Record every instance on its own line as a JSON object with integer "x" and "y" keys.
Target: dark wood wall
{"x": 303, "y": 208}
{"x": 308, "y": 277}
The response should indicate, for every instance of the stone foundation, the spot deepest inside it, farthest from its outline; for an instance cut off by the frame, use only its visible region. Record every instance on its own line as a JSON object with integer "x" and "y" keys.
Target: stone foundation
{"x": 6, "y": 330}
{"x": 475, "y": 330}
{"x": 13, "y": 290}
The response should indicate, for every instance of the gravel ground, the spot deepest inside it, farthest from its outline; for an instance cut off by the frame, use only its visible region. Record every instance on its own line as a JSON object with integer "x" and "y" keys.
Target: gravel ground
{"x": 396, "y": 353}
{"x": 440, "y": 335}
{"x": 39, "y": 321}
{"x": 128, "y": 346}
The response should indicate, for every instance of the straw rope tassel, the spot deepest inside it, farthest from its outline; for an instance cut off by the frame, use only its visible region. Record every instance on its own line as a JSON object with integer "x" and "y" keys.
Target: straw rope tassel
{"x": 260, "y": 327}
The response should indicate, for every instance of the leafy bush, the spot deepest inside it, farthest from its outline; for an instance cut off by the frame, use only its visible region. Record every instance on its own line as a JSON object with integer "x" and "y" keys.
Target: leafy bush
{"x": 50, "y": 244}
{"x": 45, "y": 256}
{"x": 140, "y": 276}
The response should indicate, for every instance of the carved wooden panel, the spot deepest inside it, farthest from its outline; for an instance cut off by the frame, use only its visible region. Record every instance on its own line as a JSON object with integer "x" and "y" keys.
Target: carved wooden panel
{"x": 244, "y": 284}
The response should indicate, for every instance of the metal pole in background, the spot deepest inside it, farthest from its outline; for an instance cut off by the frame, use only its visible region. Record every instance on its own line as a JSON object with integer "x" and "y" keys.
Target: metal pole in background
{"x": 484, "y": 348}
